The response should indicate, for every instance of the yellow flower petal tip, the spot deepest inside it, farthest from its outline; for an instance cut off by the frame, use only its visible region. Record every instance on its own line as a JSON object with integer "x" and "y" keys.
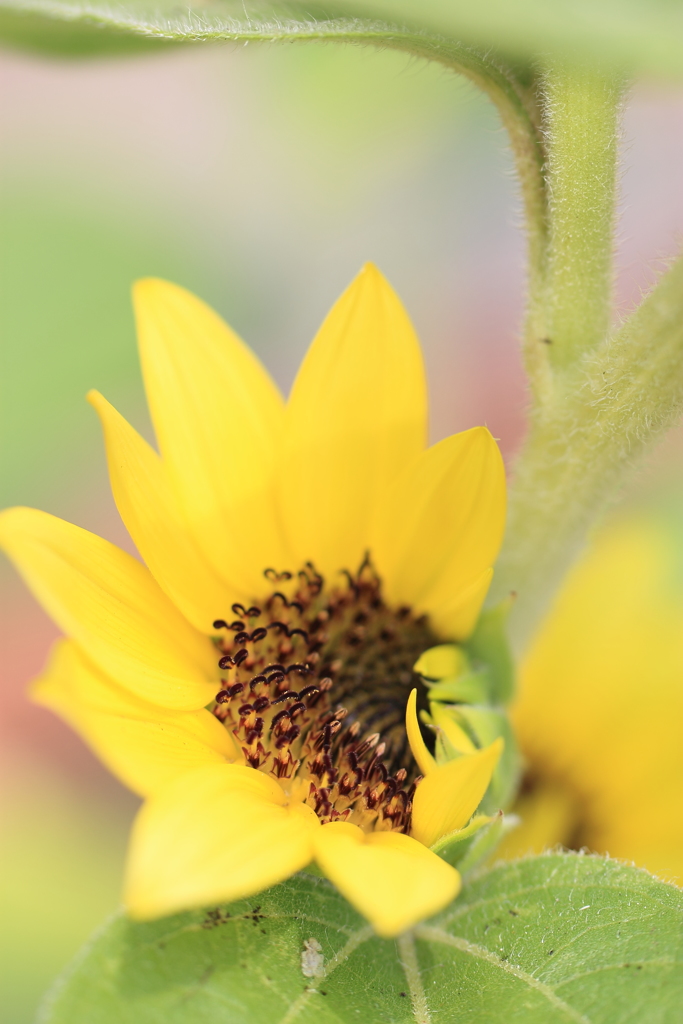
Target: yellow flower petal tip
{"x": 424, "y": 758}
{"x": 153, "y": 516}
{"x": 391, "y": 879}
{"x": 448, "y": 796}
{"x": 356, "y": 413}
{"x": 205, "y": 389}
{"x": 215, "y": 834}
{"x": 150, "y": 289}
{"x": 441, "y": 661}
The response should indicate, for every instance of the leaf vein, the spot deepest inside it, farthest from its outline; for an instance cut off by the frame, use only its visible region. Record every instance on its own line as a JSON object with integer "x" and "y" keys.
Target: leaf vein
{"x": 510, "y": 896}
{"x": 356, "y": 940}
{"x": 598, "y": 926}
{"x": 411, "y": 969}
{"x": 667, "y": 962}
{"x": 431, "y": 934}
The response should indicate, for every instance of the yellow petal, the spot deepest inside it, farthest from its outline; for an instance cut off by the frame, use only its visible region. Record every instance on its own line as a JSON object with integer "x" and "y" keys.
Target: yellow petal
{"x": 218, "y": 419}
{"x": 446, "y": 799}
{"x": 216, "y": 834}
{"x": 440, "y": 662}
{"x": 390, "y": 878}
{"x": 441, "y": 526}
{"x": 424, "y": 758}
{"x": 110, "y": 604}
{"x": 457, "y": 616}
{"x": 357, "y": 411}
{"x": 150, "y": 511}
{"x": 144, "y": 745}
{"x": 600, "y": 704}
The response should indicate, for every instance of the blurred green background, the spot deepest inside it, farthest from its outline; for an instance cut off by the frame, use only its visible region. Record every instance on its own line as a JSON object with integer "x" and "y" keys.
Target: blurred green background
{"x": 262, "y": 178}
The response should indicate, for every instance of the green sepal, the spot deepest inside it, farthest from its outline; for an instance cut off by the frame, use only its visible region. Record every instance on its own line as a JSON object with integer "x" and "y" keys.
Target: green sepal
{"x": 472, "y": 846}
{"x": 485, "y": 842}
{"x": 471, "y": 688}
{"x": 486, "y": 724}
{"x": 488, "y": 648}
{"x": 454, "y": 847}
{"x": 444, "y": 751}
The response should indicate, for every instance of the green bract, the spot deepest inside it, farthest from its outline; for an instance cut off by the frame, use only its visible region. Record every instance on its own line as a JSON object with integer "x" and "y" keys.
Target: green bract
{"x": 470, "y": 685}
{"x": 557, "y": 939}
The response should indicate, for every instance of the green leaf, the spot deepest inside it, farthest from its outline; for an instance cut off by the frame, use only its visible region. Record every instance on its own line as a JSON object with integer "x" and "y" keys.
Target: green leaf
{"x": 557, "y": 939}
{"x": 644, "y": 34}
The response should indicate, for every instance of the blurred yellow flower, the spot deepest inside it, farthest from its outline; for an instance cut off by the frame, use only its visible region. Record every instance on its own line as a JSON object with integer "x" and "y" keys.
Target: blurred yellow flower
{"x": 302, "y": 755}
{"x": 600, "y": 709}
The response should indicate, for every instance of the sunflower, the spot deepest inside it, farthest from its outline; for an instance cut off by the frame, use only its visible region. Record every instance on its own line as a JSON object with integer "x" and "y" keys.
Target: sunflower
{"x": 251, "y": 679}
{"x": 600, "y": 704}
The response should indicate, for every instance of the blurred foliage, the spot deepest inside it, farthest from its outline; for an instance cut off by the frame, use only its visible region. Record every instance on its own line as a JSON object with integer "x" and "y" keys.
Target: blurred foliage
{"x": 357, "y": 112}
{"x": 60, "y": 866}
{"x": 65, "y": 276}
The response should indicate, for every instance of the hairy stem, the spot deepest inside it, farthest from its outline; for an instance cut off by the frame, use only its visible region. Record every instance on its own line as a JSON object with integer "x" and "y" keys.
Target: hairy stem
{"x": 580, "y": 116}
{"x": 618, "y": 400}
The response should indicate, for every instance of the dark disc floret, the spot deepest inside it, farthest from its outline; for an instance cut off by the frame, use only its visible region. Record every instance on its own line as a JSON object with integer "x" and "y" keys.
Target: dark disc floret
{"x": 315, "y": 690}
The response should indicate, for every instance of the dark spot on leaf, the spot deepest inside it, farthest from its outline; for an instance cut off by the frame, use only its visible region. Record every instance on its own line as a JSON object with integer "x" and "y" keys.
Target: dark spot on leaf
{"x": 322, "y": 993}
{"x": 513, "y": 913}
{"x": 214, "y": 918}
{"x": 402, "y": 994}
{"x": 550, "y": 952}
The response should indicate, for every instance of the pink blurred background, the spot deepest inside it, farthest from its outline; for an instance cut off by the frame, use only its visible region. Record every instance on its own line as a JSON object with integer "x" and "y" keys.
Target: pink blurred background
{"x": 262, "y": 178}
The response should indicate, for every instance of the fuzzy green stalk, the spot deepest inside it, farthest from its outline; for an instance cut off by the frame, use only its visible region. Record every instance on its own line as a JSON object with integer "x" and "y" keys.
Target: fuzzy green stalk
{"x": 606, "y": 413}
{"x": 581, "y": 118}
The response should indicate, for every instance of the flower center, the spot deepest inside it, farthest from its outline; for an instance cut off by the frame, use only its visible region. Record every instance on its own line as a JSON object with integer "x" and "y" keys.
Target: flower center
{"x": 317, "y": 681}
